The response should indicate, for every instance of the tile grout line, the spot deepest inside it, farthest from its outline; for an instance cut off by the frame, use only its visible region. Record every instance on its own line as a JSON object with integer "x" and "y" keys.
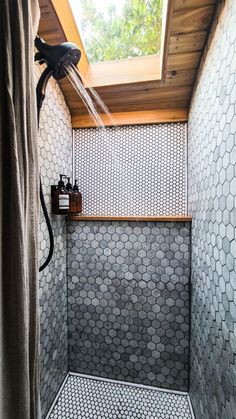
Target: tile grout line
{"x": 57, "y": 396}
{"x": 108, "y": 380}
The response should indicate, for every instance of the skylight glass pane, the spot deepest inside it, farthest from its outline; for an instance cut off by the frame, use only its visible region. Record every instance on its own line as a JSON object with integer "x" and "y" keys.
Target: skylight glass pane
{"x": 116, "y": 29}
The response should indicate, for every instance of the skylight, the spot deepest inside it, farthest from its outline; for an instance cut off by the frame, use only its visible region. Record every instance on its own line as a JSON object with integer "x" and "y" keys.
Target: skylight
{"x": 117, "y": 29}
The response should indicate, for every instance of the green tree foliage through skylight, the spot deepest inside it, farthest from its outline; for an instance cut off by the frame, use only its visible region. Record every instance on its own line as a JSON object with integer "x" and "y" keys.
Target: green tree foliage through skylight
{"x": 113, "y": 30}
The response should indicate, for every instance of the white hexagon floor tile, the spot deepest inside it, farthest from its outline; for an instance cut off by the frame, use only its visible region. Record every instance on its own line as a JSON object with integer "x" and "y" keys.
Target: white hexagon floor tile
{"x": 90, "y": 398}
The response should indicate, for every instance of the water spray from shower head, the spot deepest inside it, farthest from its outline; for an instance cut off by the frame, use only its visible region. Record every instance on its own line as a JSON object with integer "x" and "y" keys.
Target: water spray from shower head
{"x": 57, "y": 57}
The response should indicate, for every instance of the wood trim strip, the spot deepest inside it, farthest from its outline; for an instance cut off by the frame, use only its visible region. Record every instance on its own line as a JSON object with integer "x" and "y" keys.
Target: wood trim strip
{"x": 133, "y": 118}
{"x": 167, "y": 218}
{"x": 165, "y": 36}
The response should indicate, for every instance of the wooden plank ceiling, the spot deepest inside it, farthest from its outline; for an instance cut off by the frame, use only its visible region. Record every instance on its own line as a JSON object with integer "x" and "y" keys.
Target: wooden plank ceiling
{"x": 189, "y": 25}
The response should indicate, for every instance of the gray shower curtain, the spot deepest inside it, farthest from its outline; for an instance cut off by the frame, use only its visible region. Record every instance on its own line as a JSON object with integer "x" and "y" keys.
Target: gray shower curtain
{"x": 19, "y": 210}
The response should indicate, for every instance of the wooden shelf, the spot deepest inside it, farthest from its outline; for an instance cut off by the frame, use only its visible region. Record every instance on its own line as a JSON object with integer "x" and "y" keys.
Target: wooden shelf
{"x": 173, "y": 218}
{"x": 157, "y": 116}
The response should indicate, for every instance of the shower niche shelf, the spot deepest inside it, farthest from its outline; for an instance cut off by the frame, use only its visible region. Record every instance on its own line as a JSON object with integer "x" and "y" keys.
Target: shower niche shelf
{"x": 172, "y": 218}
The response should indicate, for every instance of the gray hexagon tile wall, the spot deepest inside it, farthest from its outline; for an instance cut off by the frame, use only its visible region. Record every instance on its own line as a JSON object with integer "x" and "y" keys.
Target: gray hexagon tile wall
{"x": 55, "y": 156}
{"x": 212, "y": 192}
{"x": 128, "y": 301}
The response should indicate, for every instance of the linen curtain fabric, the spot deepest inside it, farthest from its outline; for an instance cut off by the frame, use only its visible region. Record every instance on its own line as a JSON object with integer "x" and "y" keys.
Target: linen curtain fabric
{"x": 19, "y": 212}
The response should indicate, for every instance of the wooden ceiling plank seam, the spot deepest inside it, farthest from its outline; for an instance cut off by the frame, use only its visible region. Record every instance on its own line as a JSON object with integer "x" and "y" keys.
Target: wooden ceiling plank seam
{"x": 185, "y": 61}
{"x": 144, "y": 106}
{"x": 154, "y": 95}
{"x": 144, "y": 89}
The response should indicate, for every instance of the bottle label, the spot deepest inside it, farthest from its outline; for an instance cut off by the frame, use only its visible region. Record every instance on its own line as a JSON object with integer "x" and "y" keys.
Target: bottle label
{"x": 64, "y": 203}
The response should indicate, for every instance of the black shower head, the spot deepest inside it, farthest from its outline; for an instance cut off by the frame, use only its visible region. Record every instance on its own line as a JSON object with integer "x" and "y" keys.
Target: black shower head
{"x": 57, "y": 57}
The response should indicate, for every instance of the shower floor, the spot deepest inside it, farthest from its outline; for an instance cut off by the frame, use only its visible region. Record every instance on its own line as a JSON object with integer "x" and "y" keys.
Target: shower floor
{"x": 92, "y": 398}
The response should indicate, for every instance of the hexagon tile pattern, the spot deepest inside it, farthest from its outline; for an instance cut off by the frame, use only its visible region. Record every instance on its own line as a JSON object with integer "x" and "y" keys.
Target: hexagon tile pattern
{"x": 212, "y": 199}
{"x": 128, "y": 301}
{"x": 55, "y": 156}
{"x": 133, "y": 170}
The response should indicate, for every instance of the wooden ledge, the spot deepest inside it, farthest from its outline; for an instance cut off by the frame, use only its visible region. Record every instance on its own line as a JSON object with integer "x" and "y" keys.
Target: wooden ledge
{"x": 157, "y": 116}
{"x": 166, "y": 218}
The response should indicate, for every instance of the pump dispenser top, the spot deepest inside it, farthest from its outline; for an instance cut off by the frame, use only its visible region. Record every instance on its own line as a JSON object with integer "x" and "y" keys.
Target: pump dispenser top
{"x": 61, "y": 184}
{"x": 75, "y": 187}
{"x": 68, "y": 185}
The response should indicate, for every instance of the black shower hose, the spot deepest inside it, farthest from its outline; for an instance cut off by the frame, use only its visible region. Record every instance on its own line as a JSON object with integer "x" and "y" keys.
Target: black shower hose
{"x": 49, "y": 227}
{"x": 40, "y": 91}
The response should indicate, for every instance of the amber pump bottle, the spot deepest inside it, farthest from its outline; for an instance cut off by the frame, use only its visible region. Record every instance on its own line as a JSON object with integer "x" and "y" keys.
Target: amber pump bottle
{"x": 60, "y": 199}
{"x": 78, "y": 197}
{"x": 72, "y": 197}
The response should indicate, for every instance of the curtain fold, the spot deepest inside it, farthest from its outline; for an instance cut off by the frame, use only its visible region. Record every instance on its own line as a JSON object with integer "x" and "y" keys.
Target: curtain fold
{"x": 19, "y": 213}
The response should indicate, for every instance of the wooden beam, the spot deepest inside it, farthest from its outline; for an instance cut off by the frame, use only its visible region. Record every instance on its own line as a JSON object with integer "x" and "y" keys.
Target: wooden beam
{"x": 133, "y": 118}
{"x": 161, "y": 218}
